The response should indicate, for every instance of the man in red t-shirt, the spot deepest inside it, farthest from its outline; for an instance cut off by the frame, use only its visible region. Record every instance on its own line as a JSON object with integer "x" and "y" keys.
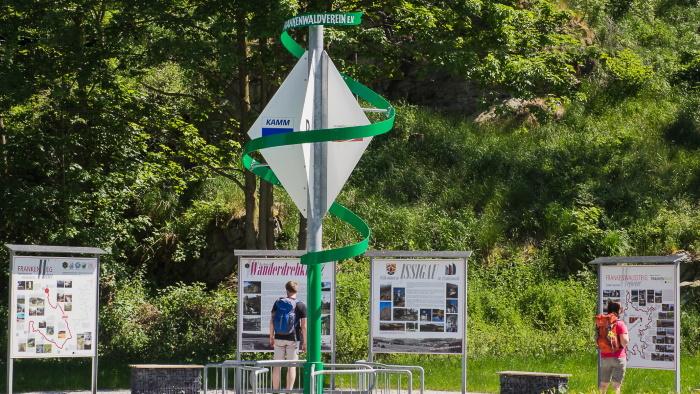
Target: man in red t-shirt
{"x": 613, "y": 364}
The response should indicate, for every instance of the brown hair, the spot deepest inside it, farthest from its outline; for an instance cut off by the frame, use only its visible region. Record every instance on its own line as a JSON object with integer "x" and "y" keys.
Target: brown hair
{"x": 614, "y": 307}
{"x": 291, "y": 287}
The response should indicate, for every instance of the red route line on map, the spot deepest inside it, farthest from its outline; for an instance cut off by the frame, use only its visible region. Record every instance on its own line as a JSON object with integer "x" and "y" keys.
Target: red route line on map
{"x": 648, "y": 311}
{"x": 63, "y": 316}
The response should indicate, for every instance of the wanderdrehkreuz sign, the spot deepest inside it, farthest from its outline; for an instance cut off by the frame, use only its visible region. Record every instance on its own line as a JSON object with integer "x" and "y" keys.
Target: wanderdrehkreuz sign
{"x": 312, "y": 133}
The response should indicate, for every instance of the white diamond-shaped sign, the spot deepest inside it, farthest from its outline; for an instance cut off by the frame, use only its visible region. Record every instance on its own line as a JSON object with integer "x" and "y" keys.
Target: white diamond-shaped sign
{"x": 343, "y": 111}
{"x": 285, "y": 113}
{"x": 291, "y": 110}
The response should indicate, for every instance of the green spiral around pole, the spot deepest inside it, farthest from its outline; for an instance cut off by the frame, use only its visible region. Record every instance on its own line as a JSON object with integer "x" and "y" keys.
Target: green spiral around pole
{"x": 323, "y": 135}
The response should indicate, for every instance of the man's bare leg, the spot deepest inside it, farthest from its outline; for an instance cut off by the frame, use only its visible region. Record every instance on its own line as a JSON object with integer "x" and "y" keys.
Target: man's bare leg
{"x": 291, "y": 377}
{"x": 617, "y": 387}
{"x": 276, "y": 377}
{"x": 603, "y": 387}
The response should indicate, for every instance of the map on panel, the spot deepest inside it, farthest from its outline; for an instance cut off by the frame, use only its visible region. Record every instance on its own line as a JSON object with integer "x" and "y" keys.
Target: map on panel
{"x": 648, "y": 298}
{"x": 54, "y": 304}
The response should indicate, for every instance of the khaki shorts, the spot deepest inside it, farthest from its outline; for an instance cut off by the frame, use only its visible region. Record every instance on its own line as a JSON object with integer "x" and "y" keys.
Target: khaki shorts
{"x": 286, "y": 350}
{"x": 612, "y": 369}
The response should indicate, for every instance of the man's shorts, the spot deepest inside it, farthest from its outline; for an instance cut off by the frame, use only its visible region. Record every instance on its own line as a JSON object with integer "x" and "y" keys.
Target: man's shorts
{"x": 286, "y": 350}
{"x": 612, "y": 369}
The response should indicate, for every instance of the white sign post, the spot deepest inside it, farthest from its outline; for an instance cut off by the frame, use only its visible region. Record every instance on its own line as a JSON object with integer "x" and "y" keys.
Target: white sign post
{"x": 262, "y": 275}
{"x": 418, "y": 304}
{"x": 53, "y": 304}
{"x": 648, "y": 290}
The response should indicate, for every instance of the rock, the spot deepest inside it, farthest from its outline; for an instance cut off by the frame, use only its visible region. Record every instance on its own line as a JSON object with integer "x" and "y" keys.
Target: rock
{"x": 527, "y": 112}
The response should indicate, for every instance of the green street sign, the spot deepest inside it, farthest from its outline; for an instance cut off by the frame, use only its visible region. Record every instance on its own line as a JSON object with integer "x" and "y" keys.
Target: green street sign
{"x": 326, "y": 18}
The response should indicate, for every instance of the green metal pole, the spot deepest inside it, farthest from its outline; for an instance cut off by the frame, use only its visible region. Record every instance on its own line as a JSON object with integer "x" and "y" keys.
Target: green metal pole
{"x": 313, "y": 274}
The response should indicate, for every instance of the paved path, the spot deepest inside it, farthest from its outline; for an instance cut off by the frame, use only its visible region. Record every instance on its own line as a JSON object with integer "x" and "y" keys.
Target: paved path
{"x": 81, "y": 392}
{"x": 129, "y": 392}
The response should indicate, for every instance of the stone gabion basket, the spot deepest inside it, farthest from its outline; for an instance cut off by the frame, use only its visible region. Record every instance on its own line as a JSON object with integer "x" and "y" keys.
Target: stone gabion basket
{"x": 166, "y": 379}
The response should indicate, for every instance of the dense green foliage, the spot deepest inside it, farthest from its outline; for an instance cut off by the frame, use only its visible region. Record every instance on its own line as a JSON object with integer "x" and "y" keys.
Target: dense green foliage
{"x": 121, "y": 124}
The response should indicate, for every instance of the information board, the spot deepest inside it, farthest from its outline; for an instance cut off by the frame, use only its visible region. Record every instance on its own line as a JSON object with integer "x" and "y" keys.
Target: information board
{"x": 647, "y": 294}
{"x": 54, "y": 304}
{"x": 417, "y": 306}
{"x": 261, "y": 283}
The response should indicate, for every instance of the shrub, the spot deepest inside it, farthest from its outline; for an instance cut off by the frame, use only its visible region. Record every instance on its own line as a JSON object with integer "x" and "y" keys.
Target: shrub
{"x": 193, "y": 324}
{"x": 690, "y": 331}
{"x": 557, "y": 305}
{"x": 690, "y": 72}
{"x": 183, "y": 323}
{"x": 352, "y": 310}
{"x": 626, "y": 71}
{"x": 684, "y": 131}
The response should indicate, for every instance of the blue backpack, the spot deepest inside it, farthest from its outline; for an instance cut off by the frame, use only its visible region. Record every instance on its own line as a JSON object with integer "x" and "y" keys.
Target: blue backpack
{"x": 285, "y": 316}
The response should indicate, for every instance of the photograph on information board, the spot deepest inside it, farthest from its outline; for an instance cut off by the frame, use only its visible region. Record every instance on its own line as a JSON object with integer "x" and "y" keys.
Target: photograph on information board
{"x": 418, "y": 306}
{"x": 263, "y": 284}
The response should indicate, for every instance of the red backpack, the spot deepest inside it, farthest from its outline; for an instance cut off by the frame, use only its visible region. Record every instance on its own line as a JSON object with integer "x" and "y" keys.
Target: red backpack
{"x": 606, "y": 337}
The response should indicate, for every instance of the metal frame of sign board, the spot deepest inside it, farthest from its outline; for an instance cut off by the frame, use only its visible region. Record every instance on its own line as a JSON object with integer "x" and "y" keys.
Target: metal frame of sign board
{"x": 407, "y": 254}
{"x": 55, "y": 251}
{"x": 242, "y": 253}
{"x": 676, "y": 260}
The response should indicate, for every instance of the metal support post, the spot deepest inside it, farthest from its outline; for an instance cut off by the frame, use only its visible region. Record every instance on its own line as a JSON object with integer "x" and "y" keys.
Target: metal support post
{"x": 316, "y": 207}
{"x": 370, "y": 353}
{"x": 10, "y": 313}
{"x": 465, "y": 337}
{"x": 600, "y": 310}
{"x": 677, "y": 322}
{"x": 97, "y": 327}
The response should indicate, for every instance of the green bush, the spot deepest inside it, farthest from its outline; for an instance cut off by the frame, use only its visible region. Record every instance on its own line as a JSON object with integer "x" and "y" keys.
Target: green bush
{"x": 352, "y": 310}
{"x": 180, "y": 323}
{"x": 554, "y": 306}
{"x": 626, "y": 70}
{"x": 690, "y": 72}
{"x": 126, "y": 318}
{"x": 684, "y": 131}
{"x": 690, "y": 331}
{"x": 518, "y": 307}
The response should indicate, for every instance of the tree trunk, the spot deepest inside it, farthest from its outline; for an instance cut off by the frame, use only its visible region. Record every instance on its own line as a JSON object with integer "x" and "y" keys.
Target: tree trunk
{"x": 250, "y": 187}
{"x": 244, "y": 85}
{"x": 301, "y": 243}
{"x": 3, "y": 142}
{"x": 266, "y": 224}
{"x": 273, "y": 220}
{"x": 263, "y": 215}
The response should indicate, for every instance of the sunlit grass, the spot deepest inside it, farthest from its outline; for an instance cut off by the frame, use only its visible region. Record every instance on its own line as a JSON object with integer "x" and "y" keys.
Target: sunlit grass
{"x": 443, "y": 372}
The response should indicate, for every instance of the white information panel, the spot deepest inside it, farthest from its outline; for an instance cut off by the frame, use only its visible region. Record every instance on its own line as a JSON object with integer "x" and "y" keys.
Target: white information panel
{"x": 53, "y": 301}
{"x": 418, "y": 305}
{"x": 261, "y": 283}
{"x": 647, "y": 294}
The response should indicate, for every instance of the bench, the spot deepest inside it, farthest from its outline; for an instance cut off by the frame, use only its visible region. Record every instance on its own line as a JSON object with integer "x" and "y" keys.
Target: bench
{"x": 166, "y": 379}
{"x": 533, "y": 382}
